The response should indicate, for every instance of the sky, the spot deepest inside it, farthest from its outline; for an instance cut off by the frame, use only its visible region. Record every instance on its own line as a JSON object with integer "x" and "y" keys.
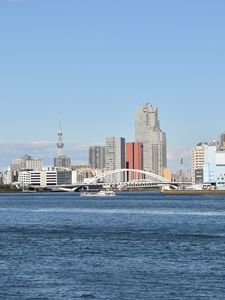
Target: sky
{"x": 97, "y": 61}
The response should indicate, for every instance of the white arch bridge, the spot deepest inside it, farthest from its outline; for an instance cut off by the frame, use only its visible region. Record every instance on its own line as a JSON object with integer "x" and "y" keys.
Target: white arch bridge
{"x": 124, "y": 179}
{"x": 125, "y": 176}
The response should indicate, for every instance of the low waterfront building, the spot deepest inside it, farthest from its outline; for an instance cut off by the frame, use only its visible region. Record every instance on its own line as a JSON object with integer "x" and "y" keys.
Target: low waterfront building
{"x": 167, "y": 174}
{"x": 64, "y": 177}
{"x": 81, "y": 175}
{"x": 24, "y": 178}
{"x": 47, "y": 177}
{"x": 6, "y": 177}
{"x": 214, "y": 167}
{"x": 200, "y": 155}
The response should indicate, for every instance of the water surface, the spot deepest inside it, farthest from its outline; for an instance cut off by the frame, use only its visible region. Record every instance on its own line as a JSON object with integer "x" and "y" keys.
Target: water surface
{"x": 134, "y": 246}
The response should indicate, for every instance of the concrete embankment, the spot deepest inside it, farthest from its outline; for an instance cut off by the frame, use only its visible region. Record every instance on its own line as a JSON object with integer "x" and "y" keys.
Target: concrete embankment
{"x": 194, "y": 192}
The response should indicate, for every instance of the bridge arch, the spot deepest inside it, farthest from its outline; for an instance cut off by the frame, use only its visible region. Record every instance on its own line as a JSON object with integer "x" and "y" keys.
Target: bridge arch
{"x": 126, "y": 175}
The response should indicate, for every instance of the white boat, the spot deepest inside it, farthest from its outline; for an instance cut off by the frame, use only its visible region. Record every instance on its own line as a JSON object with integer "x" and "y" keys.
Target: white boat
{"x": 102, "y": 193}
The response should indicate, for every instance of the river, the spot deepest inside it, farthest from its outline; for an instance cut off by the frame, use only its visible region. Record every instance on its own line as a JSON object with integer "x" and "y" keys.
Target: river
{"x": 134, "y": 246}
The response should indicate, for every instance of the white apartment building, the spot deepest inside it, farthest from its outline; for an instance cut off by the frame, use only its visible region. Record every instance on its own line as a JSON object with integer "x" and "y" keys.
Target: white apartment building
{"x": 26, "y": 163}
{"x": 6, "y": 177}
{"x": 34, "y": 164}
{"x": 115, "y": 156}
{"x": 47, "y": 177}
{"x": 214, "y": 167}
{"x": 34, "y": 178}
{"x": 198, "y": 160}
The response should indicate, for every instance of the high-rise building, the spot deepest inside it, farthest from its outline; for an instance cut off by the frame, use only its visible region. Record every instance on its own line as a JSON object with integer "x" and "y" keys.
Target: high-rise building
{"x": 148, "y": 132}
{"x": 34, "y": 164}
{"x": 198, "y": 160}
{"x": 115, "y": 153}
{"x": 26, "y": 163}
{"x": 222, "y": 141}
{"x": 134, "y": 159}
{"x": 97, "y": 157}
{"x": 134, "y": 155}
{"x": 61, "y": 161}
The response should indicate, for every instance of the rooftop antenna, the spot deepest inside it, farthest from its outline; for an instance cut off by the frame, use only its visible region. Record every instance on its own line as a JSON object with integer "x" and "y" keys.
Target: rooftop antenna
{"x": 60, "y": 121}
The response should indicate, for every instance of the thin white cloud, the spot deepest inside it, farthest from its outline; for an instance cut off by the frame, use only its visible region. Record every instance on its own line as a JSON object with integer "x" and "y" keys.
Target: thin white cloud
{"x": 45, "y": 150}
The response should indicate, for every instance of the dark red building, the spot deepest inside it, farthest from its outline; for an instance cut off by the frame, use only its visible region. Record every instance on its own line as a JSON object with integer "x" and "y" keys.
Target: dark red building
{"x": 134, "y": 156}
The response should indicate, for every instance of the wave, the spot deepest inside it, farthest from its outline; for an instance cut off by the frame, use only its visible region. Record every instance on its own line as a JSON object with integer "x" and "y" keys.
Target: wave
{"x": 117, "y": 211}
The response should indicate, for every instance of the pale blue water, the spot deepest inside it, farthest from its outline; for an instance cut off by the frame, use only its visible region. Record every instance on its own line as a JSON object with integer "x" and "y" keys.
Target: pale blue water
{"x": 134, "y": 246}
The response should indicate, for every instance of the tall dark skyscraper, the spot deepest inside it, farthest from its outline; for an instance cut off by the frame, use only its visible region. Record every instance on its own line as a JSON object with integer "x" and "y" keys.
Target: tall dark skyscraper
{"x": 148, "y": 132}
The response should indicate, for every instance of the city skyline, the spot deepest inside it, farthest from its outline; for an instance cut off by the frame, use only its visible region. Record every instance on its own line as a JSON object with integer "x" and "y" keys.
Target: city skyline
{"x": 98, "y": 62}
{"x": 47, "y": 150}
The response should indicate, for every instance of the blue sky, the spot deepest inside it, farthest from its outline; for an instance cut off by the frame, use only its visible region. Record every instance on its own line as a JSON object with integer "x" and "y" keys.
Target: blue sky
{"x": 97, "y": 61}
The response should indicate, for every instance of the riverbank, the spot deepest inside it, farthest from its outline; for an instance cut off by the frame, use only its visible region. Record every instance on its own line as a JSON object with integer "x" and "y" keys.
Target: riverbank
{"x": 9, "y": 188}
{"x": 194, "y": 192}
